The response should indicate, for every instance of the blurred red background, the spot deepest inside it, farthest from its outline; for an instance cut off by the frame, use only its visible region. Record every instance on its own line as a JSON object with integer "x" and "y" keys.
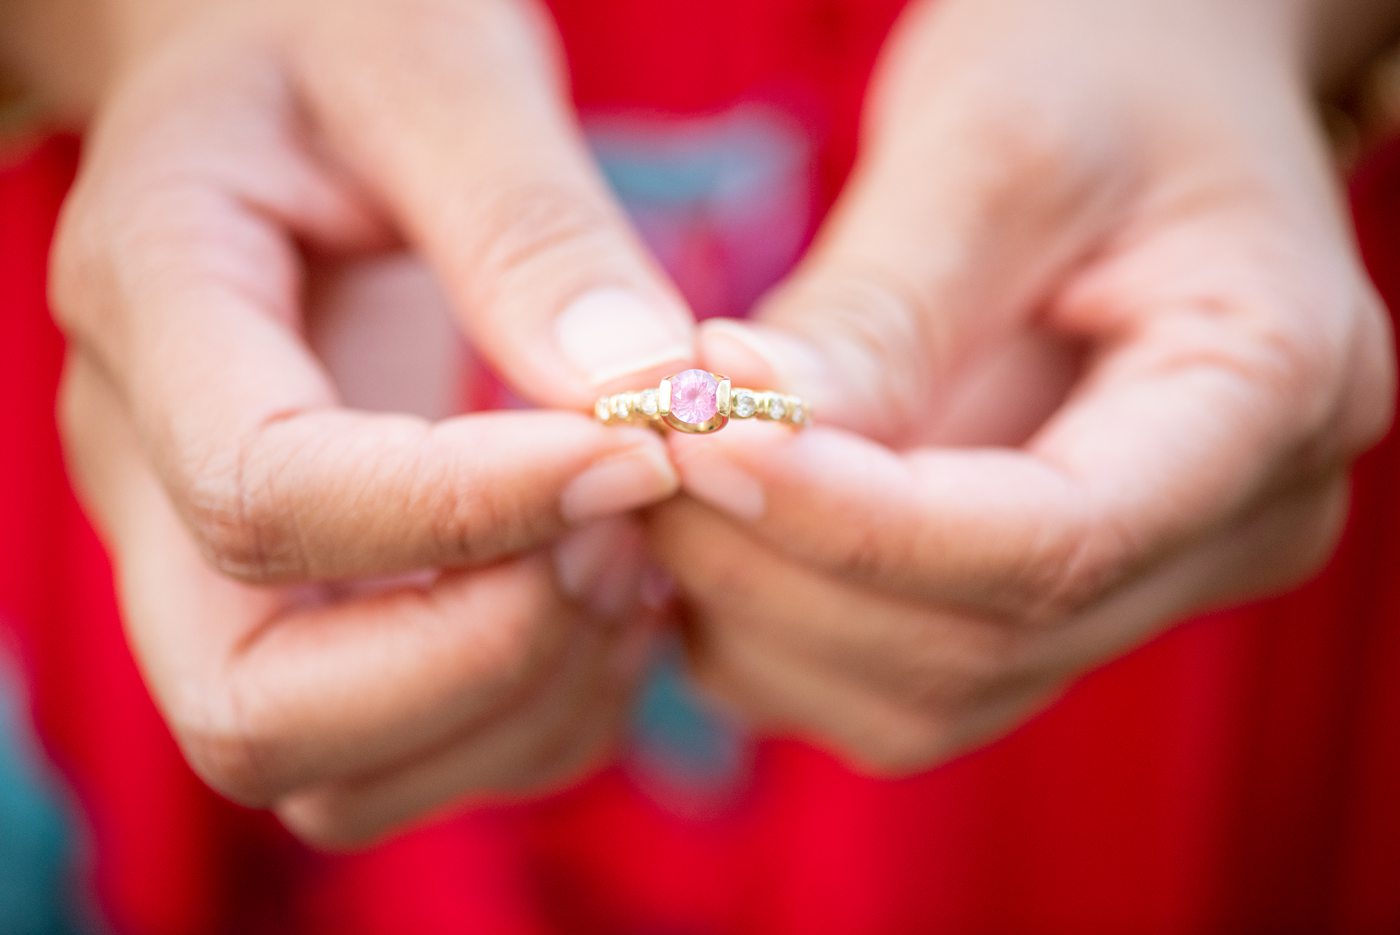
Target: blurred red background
{"x": 1239, "y": 774}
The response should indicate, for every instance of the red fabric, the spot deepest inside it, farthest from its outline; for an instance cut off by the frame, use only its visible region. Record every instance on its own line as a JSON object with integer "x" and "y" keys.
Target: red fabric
{"x": 1238, "y": 774}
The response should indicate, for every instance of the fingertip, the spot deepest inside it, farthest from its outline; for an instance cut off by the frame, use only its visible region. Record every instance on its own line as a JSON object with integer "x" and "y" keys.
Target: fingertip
{"x": 614, "y": 339}
{"x": 738, "y": 350}
{"x": 633, "y": 476}
{"x": 710, "y": 473}
{"x": 767, "y": 358}
{"x": 758, "y": 471}
{"x": 313, "y": 819}
{"x": 746, "y": 442}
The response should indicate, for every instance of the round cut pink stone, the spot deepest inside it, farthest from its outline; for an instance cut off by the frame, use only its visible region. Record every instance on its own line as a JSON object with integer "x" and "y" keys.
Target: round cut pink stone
{"x": 693, "y": 396}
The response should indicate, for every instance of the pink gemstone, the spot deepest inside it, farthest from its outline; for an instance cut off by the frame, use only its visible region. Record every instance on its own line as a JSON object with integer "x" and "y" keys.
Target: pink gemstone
{"x": 693, "y": 396}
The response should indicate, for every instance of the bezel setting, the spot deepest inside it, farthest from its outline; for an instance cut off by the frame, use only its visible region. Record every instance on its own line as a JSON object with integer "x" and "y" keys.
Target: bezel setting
{"x": 713, "y": 424}
{"x": 653, "y": 406}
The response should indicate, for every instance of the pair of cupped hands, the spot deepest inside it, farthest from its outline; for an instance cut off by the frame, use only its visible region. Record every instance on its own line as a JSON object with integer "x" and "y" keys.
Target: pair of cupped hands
{"x": 1086, "y": 339}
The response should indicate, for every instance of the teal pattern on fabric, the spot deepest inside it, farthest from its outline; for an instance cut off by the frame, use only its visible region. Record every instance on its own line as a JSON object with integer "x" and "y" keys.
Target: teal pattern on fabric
{"x": 39, "y": 890}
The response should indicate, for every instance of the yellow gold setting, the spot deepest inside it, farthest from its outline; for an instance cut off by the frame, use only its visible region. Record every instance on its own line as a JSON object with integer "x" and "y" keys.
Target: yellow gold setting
{"x": 653, "y": 407}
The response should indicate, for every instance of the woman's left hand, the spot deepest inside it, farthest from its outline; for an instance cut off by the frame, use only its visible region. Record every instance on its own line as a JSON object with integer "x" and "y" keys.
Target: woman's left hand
{"x": 1090, "y": 350}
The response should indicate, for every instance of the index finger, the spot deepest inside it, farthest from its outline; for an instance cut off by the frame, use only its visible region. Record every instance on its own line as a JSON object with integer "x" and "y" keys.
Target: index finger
{"x": 179, "y": 271}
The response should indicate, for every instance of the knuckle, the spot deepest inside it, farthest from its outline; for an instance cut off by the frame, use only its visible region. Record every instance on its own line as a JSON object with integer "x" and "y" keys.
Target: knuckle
{"x": 1316, "y": 532}
{"x": 470, "y": 521}
{"x": 1071, "y": 571}
{"x": 235, "y": 751}
{"x": 329, "y": 822}
{"x": 241, "y": 526}
{"x": 1304, "y": 365}
{"x": 227, "y": 537}
{"x": 940, "y": 677}
{"x": 1326, "y": 383}
{"x": 1298, "y": 372}
{"x": 232, "y": 529}
{"x": 77, "y": 269}
{"x": 69, "y": 407}
{"x": 79, "y": 411}
{"x": 868, "y": 553}
{"x": 112, "y": 243}
{"x": 457, "y": 515}
{"x": 1030, "y": 136}
{"x": 1369, "y": 397}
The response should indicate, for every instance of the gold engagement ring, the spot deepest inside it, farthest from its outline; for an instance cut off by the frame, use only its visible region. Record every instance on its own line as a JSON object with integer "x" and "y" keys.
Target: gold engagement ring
{"x": 698, "y": 401}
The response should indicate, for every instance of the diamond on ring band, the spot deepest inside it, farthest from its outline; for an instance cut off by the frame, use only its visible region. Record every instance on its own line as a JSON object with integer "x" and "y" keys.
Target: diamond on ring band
{"x": 698, "y": 401}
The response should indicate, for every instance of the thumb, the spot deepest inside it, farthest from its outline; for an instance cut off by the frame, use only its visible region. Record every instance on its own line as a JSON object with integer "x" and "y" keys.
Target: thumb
{"x": 930, "y": 257}
{"x": 476, "y": 152}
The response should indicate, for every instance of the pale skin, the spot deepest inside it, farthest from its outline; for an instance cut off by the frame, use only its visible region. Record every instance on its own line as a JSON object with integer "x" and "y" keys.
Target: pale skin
{"x": 1088, "y": 343}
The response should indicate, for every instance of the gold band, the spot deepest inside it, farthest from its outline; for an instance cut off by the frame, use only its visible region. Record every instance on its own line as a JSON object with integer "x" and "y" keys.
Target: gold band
{"x": 697, "y": 402}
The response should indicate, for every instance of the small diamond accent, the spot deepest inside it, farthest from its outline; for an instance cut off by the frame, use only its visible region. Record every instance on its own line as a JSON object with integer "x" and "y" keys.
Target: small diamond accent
{"x": 622, "y": 407}
{"x": 744, "y": 404}
{"x": 649, "y": 404}
{"x": 602, "y": 409}
{"x": 777, "y": 409}
{"x": 799, "y": 413}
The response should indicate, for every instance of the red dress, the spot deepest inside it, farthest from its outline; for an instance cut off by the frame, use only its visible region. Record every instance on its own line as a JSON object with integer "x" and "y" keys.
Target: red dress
{"x": 1238, "y": 774}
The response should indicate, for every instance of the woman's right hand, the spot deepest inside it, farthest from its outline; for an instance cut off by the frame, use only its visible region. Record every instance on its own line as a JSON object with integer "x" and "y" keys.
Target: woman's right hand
{"x": 257, "y": 150}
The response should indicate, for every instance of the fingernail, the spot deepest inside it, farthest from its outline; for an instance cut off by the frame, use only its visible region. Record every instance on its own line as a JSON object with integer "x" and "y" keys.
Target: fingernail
{"x": 758, "y": 355}
{"x": 740, "y": 350}
{"x": 619, "y": 483}
{"x": 579, "y": 559}
{"x": 609, "y": 333}
{"x": 712, "y": 478}
{"x": 617, "y": 589}
{"x": 599, "y": 565}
